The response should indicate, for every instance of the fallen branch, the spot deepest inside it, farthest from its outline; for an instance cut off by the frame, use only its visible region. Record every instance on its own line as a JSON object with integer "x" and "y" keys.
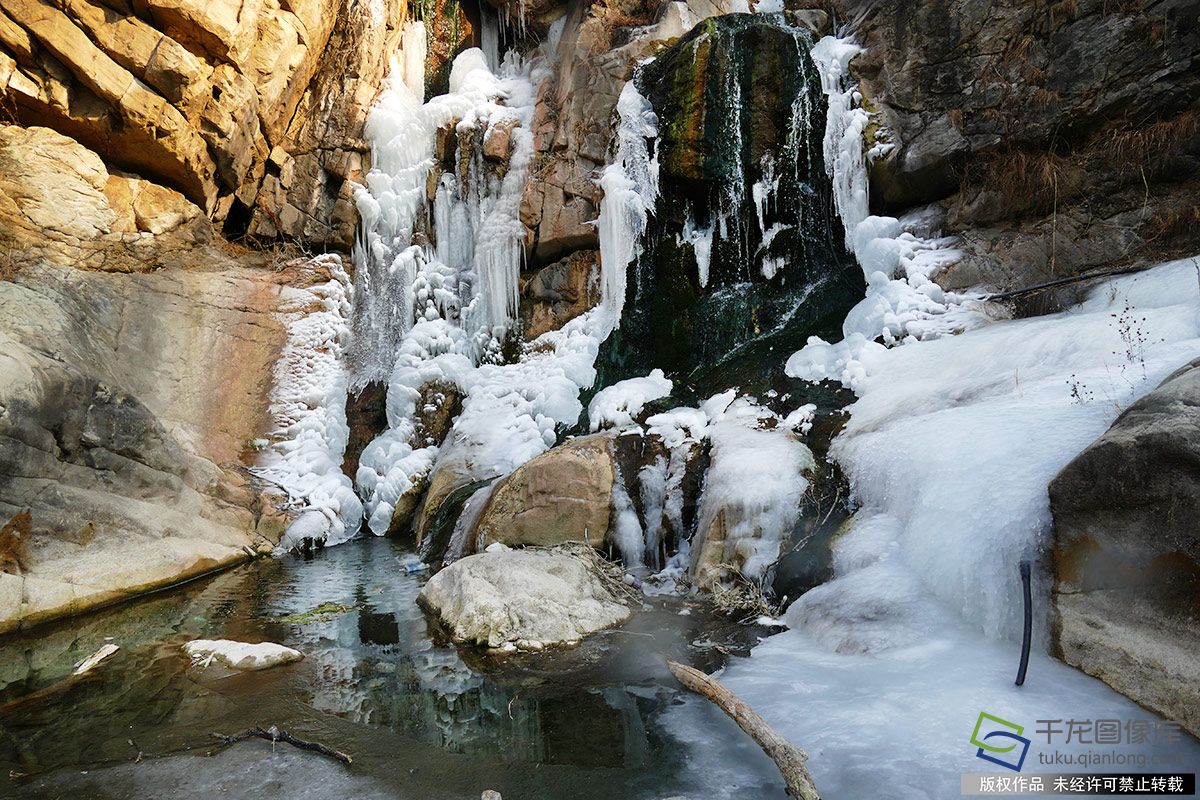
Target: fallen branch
{"x": 1090, "y": 276}
{"x": 273, "y": 734}
{"x": 787, "y": 757}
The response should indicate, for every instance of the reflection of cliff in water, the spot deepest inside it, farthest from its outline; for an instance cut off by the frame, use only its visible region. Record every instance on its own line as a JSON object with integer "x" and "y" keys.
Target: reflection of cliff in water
{"x": 377, "y": 678}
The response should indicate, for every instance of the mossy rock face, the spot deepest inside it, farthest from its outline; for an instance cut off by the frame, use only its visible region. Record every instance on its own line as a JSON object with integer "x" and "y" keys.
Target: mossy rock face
{"x": 741, "y": 125}
{"x": 723, "y": 91}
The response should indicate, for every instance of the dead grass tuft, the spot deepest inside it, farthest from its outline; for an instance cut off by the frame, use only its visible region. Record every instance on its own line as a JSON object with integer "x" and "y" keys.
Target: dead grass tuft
{"x": 740, "y": 597}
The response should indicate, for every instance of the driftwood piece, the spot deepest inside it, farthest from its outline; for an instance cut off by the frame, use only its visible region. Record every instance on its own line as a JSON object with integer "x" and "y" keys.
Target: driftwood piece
{"x": 274, "y": 734}
{"x": 787, "y": 757}
{"x": 83, "y": 671}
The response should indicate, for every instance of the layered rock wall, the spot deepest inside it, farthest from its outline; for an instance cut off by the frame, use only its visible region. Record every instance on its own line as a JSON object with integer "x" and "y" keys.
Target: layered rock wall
{"x": 252, "y": 110}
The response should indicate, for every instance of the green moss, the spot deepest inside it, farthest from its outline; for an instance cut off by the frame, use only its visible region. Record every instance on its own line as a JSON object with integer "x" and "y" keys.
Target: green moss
{"x": 322, "y": 613}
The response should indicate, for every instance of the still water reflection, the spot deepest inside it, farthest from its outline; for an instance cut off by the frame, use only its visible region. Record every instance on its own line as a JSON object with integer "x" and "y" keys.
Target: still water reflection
{"x": 421, "y": 719}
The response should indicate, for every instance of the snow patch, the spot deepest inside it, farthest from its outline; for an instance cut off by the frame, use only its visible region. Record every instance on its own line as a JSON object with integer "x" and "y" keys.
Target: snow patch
{"x": 616, "y": 406}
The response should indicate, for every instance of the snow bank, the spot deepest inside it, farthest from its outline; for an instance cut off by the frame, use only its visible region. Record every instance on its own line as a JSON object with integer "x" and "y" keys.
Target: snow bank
{"x": 616, "y": 406}
{"x": 957, "y": 439}
{"x": 308, "y": 410}
{"x": 240, "y": 655}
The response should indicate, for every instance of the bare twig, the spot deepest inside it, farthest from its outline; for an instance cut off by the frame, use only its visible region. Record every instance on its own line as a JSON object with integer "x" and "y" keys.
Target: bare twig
{"x": 1064, "y": 281}
{"x": 787, "y": 757}
{"x": 273, "y": 734}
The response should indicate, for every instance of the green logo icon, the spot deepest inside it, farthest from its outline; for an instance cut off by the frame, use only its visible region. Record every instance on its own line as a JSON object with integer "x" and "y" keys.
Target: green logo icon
{"x": 989, "y": 731}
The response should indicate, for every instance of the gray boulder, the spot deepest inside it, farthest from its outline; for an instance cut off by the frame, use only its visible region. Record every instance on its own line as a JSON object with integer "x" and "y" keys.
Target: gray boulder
{"x": 1126, "y": 552}
{"x": 526, "y": 599}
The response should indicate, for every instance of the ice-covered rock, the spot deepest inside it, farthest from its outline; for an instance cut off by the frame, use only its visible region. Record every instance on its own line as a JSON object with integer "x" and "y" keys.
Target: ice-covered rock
{"x": 511, "y": 598}
{"x": 616, "y": 406}
{"x": 240, "y": 655}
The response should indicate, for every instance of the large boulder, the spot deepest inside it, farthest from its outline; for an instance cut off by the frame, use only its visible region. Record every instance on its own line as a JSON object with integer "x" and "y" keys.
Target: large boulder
{"x": 563, "y": 495}
{"x": 1127, "y": 552}
{"x": 523, "y": 598}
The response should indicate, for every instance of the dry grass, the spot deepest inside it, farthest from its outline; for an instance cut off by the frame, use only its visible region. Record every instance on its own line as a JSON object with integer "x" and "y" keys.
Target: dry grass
{"x": 1140, "y": 146}
{"x": 8, "y": 110}
{"x": 610, "y": 574}
{"x": 741, "y": 597}
{"x": 10, "y": 264}
{"x": 1038, "y": 180}
{"x": 1025, "y": 180}
{"x": 14, "y": 543}
{"x": 1171, "y": 223}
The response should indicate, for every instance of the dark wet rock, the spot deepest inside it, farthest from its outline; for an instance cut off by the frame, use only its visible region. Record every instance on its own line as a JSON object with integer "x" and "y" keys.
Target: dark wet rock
{"x": 1127, "y": 552}
{"x": 739, "y": 104}
{"x": 732, "y": 78}
{"x": 366, "y": 414}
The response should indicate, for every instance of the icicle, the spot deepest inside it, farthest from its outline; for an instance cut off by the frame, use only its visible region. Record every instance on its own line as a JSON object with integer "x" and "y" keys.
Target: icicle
{"x": 701, "y": 240}
{"x": 630, "y": 186}
{"x": 427, "y": 312}
{"x": 652, "y": 480}
{"x": 625, "y": 528}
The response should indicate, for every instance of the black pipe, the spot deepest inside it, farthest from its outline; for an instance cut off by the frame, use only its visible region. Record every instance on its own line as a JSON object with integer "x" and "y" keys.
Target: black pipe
{"x": 1028, "y": 632}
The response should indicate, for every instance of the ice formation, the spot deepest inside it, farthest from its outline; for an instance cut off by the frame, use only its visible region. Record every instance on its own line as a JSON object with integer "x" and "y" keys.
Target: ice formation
{"x": 616, "y": 406}
{"x": 468, "y": 279}
{"x": 240, "y": 655}
{"x": 957, "y": 431}
{"x": 956, "y": 439}
{"x": 630, "y": 186}
{"x": 434, "y": 312}
{"x": 950, "y": 449}
{"x": 902, "y": 300}
{"x": 756, "y": 480}
{"x": 308, "y": 410}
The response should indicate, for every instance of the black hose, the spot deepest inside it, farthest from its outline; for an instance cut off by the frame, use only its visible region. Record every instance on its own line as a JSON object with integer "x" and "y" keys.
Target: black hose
{"x": 1028, "y": 632}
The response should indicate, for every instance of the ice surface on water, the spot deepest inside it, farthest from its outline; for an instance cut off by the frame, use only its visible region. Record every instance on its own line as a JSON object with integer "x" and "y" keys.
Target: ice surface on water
{"x": 896, "y": 724}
